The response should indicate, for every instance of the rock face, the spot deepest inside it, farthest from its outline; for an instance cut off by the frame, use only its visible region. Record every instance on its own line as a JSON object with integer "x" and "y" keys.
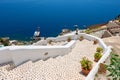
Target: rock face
{"x": 4, "y": 41}
{"x": 106, "y": 34}
{"x": 64, "y": 31}
{"x": 113, "y": 27}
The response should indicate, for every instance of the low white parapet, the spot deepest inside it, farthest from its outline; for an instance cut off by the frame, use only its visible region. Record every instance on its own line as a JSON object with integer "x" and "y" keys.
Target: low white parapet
{"x": 20, "y": 54}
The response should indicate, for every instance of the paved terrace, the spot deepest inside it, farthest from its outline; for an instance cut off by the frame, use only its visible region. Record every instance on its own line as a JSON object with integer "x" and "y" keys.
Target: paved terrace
{"x": 60, "y": 68}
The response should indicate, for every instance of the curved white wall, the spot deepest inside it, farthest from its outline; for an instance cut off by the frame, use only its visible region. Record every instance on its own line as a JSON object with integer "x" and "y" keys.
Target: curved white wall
{"x": 20, "y": 54}
{"x": 106, "y": 52}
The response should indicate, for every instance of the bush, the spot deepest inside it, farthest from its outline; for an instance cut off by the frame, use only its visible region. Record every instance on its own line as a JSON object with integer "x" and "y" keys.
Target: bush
{"x": 95, "y": 41}
{"x": 86, "y": 64}
{"x": 50, "y": 41}
{"x": 97, "y": 56}
{"x": 4, "y": 42}
{"x": 99, "y": 49}
{"x": 114, "y": 67}
{"x": 69, "y": 39}
{"x": 87, "y": 31}
{"x": 81, "y": 38}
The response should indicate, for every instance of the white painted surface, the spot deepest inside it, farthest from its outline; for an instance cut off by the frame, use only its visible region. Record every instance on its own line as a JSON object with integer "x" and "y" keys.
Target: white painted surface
{"x": 19, "y": 54}
{"x": 74, "y": 37}
{"x": 22, "y": 55}
{"x": 5, "y": 55}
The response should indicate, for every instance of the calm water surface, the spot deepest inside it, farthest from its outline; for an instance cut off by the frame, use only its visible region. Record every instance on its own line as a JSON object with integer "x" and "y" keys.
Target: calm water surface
{"x": 19, "y": 18}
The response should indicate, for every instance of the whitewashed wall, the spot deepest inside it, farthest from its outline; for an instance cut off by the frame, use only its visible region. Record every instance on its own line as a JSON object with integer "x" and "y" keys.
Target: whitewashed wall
{"x": 5, "y": 55}
{"x": 90, "y": 37}
{"x": 74, "y": 37}
{"x": 106, "y": 49}
{"x": 20, "y": 54}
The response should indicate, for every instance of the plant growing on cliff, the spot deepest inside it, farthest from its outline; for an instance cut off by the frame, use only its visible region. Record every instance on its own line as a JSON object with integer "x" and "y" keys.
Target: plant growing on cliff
{"x": 114, "y": 67}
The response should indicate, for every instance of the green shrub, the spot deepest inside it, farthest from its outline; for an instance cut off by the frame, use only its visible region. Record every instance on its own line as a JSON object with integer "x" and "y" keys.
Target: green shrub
{"x": 114, "y": 67}
{"x": 97, "y": 55}
{"x": 87, "y": 31}
{"x": 99, "y": 49}
{"x": 86, "y": 64}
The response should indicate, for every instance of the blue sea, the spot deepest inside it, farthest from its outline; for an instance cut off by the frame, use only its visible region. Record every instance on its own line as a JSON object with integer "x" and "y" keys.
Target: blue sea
{"x": 19, "y": 18}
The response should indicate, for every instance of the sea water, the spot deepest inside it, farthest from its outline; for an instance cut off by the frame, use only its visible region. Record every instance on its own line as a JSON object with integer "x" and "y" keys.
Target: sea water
{"x": 19, "y": 18}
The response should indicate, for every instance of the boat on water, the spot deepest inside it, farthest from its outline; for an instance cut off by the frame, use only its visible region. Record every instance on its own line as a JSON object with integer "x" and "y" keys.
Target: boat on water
{"x": 36, "y": 35}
